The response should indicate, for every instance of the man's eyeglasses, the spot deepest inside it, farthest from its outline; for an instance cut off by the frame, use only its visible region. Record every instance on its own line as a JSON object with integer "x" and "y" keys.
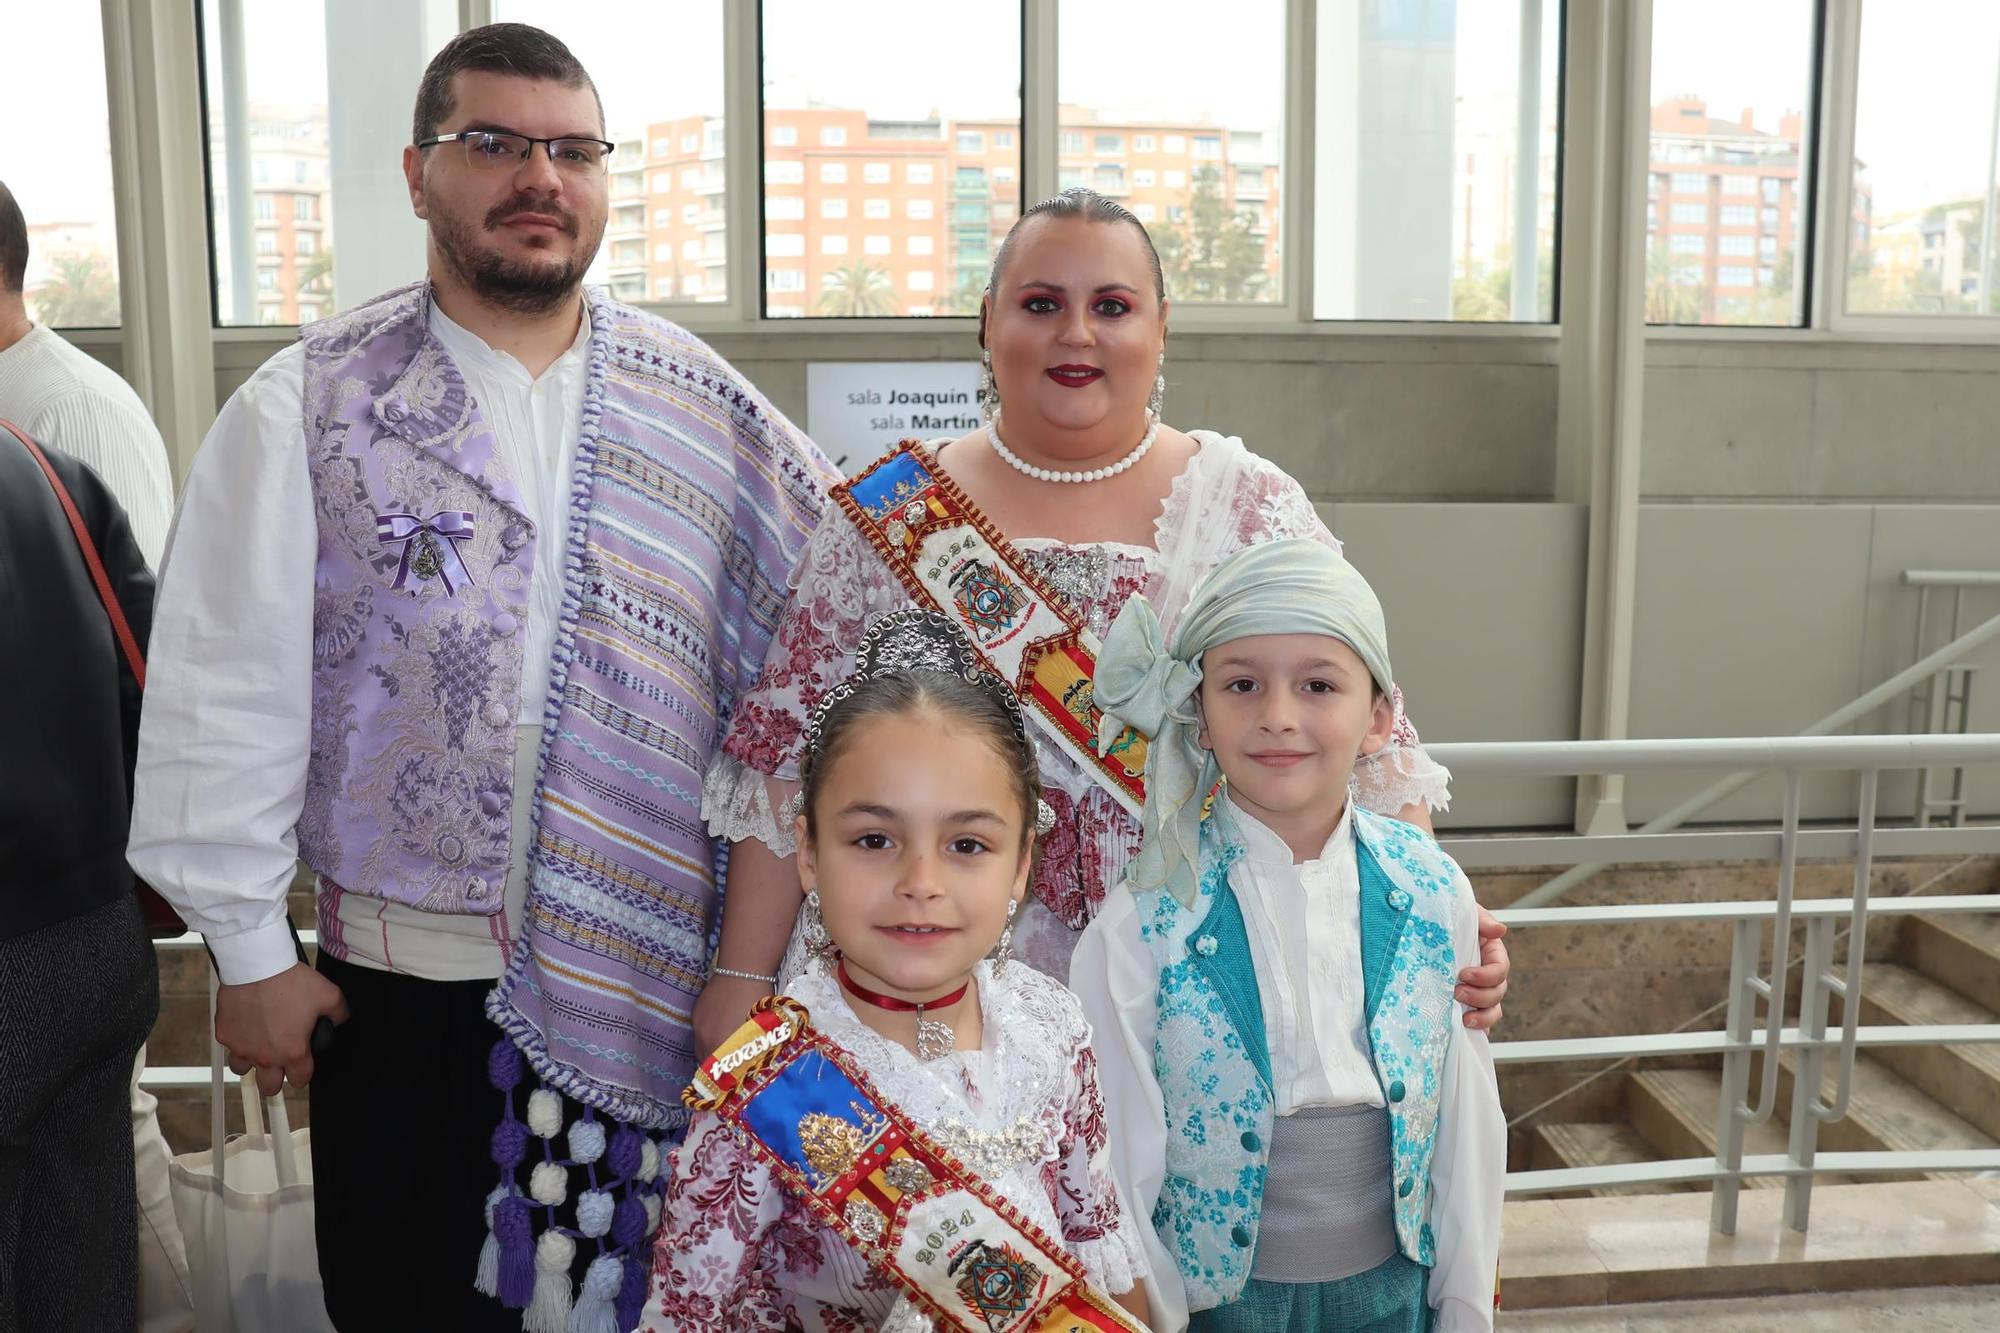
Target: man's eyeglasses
{"x": 497, "y": 149}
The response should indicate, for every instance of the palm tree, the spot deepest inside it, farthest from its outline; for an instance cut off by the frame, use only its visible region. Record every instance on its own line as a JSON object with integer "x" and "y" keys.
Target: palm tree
{"x": 316, "y": 273}
{"x": 857, "y": 291}
{"x": 82, "y": 294}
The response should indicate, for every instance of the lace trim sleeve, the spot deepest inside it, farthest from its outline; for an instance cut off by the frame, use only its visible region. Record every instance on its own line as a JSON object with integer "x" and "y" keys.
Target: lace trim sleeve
{"x": 1399, "y": 776}
{"x": 739, "y": 803}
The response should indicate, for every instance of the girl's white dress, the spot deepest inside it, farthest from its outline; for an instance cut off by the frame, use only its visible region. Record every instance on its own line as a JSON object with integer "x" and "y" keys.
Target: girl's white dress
{"x": 736, "y": 1252}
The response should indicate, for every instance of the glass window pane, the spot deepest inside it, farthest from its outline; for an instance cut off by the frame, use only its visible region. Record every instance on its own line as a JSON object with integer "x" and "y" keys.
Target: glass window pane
{"x": 1728, "y": 130}
{"x": 1201, "y": 100}
{"x": 669, "y": 137}
{"x": 884, "y": 163}
{"x": 282, "y": 166}
{"x": 1926, "y": 127}
{"x": 1436, "y": 146}
{"x": 65, "y": 194}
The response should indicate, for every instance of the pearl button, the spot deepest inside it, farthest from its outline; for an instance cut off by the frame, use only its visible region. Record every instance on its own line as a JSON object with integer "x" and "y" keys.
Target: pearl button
{"x": 504, "y": 625}
{"x": 495, "y": 714}
{"x": 492, "y": 802}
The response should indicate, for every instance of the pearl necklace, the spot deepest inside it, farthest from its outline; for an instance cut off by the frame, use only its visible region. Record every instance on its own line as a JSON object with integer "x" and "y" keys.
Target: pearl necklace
{"x": 1019, "y": 464}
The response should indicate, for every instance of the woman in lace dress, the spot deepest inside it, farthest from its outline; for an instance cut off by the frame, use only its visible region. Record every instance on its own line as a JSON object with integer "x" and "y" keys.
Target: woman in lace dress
{"x": 1074, "y": 332}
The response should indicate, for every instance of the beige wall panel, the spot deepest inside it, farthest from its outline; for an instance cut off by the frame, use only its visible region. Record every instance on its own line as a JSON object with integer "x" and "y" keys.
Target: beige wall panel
{"x": 1485, "y": 608}
{"x": 1906, "y": 434}
{"x": 1713, "y": 431}
{"x": 1748, "y": 622}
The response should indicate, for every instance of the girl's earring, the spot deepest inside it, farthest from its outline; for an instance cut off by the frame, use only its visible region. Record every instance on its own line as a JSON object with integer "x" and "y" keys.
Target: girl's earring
{"x": 989, "y": 391}
{"x": 818, "y": 944}
{"x": 1159, "y": 398}
{"x": 1003, "y": 952}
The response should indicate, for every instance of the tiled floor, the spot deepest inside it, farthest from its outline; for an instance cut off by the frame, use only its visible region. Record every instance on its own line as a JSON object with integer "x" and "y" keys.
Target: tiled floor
{"x": 1930, "y": 1309}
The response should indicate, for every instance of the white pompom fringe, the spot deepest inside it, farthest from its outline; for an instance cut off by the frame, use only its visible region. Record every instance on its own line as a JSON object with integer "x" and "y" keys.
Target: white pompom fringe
{"x": 548, "y": 1312}
{"x": 487, "y": 1280}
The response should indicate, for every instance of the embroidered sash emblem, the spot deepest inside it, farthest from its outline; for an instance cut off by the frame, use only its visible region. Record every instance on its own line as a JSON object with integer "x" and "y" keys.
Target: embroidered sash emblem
{"x": 950, "y": 558}
{"x": 906, "y": 1205}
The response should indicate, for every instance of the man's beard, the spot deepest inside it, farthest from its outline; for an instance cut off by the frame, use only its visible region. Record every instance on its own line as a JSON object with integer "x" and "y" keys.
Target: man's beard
{"x": 526, "y": 288}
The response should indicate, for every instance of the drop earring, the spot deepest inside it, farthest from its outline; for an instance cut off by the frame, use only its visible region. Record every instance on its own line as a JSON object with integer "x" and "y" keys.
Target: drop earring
{"x": 989, "y": 391}
{"x": 1159, "y": 398}
{"x": 1003, "y": 952}
{"x": 812, "y": 931}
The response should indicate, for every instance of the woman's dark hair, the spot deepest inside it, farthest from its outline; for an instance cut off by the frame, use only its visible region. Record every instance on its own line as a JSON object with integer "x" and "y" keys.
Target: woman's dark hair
{"x": 904, "y": 692}
{"x": 1091, "y": 206}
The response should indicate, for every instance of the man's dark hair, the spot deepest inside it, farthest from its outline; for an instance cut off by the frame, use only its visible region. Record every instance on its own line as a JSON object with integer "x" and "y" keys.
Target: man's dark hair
{"x": 13, "y": 243}
{"x": 524, "y": 51}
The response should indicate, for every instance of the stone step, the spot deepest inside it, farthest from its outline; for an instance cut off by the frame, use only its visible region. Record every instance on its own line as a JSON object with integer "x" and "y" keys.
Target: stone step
{"x": 1960, "y": 952}
{"x": 1886, "y": 1112}
{"x": 1559, "y": 1146}
{"x": 1675, "y": 1109}
{"x": 1964, "y": 1079}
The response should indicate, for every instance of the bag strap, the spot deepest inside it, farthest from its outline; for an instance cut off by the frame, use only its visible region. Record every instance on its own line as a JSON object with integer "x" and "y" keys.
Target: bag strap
{"x": 128, "y": 645}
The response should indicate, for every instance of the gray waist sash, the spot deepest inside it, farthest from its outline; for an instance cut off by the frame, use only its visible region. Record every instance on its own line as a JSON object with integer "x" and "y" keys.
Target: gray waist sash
{"x": 1329, "y": 1210}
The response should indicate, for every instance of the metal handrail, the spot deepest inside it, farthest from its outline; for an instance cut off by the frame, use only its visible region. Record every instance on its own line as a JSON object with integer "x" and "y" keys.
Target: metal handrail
{"x": 1741, "y": 1037}
{"x": 1486, "y": 758}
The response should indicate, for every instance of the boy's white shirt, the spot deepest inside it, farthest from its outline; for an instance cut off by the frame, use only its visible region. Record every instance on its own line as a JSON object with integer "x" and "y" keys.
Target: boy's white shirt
{"x": 1316, "y": 1025}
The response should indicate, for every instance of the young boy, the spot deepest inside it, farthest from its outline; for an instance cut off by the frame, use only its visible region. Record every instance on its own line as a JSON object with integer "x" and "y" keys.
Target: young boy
{"x": 1313, "y": 1132}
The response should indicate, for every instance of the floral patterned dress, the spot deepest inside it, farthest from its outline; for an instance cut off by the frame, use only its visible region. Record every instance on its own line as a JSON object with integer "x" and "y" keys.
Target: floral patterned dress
{"x": 737, "y": 1252}
{"x": 1225, "y": 499}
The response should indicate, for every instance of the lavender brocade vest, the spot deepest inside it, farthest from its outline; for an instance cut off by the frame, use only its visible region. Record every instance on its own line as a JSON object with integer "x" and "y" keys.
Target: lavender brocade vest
{"x": 415, "y": 689}
{"x": 690, "y": 501}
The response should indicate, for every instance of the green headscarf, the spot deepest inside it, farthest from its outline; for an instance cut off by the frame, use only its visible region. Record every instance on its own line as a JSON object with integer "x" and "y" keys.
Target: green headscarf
{"x": 1296, "y": 586}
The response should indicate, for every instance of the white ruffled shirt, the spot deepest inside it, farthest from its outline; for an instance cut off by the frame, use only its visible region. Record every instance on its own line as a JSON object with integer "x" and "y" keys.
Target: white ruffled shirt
{"x": 736, "y": 1252}
{"x": 1304, "y": 925}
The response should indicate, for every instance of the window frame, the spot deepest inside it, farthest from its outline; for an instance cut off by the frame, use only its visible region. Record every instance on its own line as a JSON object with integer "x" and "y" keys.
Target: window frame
{"x": 1823, "y": 253}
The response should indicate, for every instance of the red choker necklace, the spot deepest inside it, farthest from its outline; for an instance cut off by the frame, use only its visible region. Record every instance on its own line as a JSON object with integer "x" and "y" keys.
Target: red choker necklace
{"x": 934, "y": 1039}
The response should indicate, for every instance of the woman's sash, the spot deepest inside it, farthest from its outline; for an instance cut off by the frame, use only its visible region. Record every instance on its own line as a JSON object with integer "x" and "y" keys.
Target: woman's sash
{"x": 949, "y": 556}
{"x": 911, "y": 1211}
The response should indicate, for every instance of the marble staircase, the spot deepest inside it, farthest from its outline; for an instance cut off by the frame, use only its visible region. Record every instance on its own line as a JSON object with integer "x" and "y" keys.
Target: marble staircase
{"x": 1945, "y": 970}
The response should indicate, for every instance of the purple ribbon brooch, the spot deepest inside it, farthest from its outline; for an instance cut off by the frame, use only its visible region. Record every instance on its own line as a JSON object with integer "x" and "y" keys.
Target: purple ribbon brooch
{"x": 430, "y": 546}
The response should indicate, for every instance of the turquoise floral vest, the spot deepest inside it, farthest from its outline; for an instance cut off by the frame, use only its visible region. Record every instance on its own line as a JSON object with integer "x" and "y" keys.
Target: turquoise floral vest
{"x": 1213, "y": 1062}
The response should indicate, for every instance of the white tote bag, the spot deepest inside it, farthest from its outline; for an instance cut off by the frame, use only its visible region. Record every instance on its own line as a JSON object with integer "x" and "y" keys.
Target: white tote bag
{"x": 246, "y": 1210}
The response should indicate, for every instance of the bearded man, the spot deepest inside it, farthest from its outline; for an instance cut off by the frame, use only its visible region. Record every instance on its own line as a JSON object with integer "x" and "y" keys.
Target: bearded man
{"x": 463, "y": 587}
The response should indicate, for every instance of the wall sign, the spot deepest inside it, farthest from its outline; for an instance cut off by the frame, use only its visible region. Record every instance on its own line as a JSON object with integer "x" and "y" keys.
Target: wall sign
{"x": 857, "y": 410}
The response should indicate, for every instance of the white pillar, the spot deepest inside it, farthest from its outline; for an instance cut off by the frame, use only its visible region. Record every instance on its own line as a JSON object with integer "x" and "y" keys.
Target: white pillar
{"x": 153, "y": 88}
{"x": 376, "y": 51}
{"x": 1386, "y": 86}
{"x": 1606, "y": 128}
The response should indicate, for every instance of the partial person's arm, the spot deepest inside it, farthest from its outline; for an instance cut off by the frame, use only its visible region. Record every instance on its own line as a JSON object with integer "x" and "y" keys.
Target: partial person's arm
{"x": 1468, "y": 1170}
{"x": 226, "y": 730}
{"x": 721, "y": 1200}
{"x": 1113, "y": 976}
{"x": 123, "y": 447}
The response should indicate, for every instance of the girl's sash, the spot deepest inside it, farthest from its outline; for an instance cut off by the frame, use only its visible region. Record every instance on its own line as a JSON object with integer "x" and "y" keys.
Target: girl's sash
{"x": 949, "y": 556}
{"x": 961, "y": 1252}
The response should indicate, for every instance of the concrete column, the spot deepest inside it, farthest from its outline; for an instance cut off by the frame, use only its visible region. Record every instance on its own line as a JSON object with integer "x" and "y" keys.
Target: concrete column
{"x": 1606, "y": 126}
{"x": 376, "y": 51}
{"x": 153, "y": 86}
{"x": 1386, "y": 90}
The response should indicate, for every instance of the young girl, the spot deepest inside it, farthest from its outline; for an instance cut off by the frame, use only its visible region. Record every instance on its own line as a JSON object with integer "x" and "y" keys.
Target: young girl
{"x": 910, "y": 1136}
{"x": 1313, "y": 1132}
